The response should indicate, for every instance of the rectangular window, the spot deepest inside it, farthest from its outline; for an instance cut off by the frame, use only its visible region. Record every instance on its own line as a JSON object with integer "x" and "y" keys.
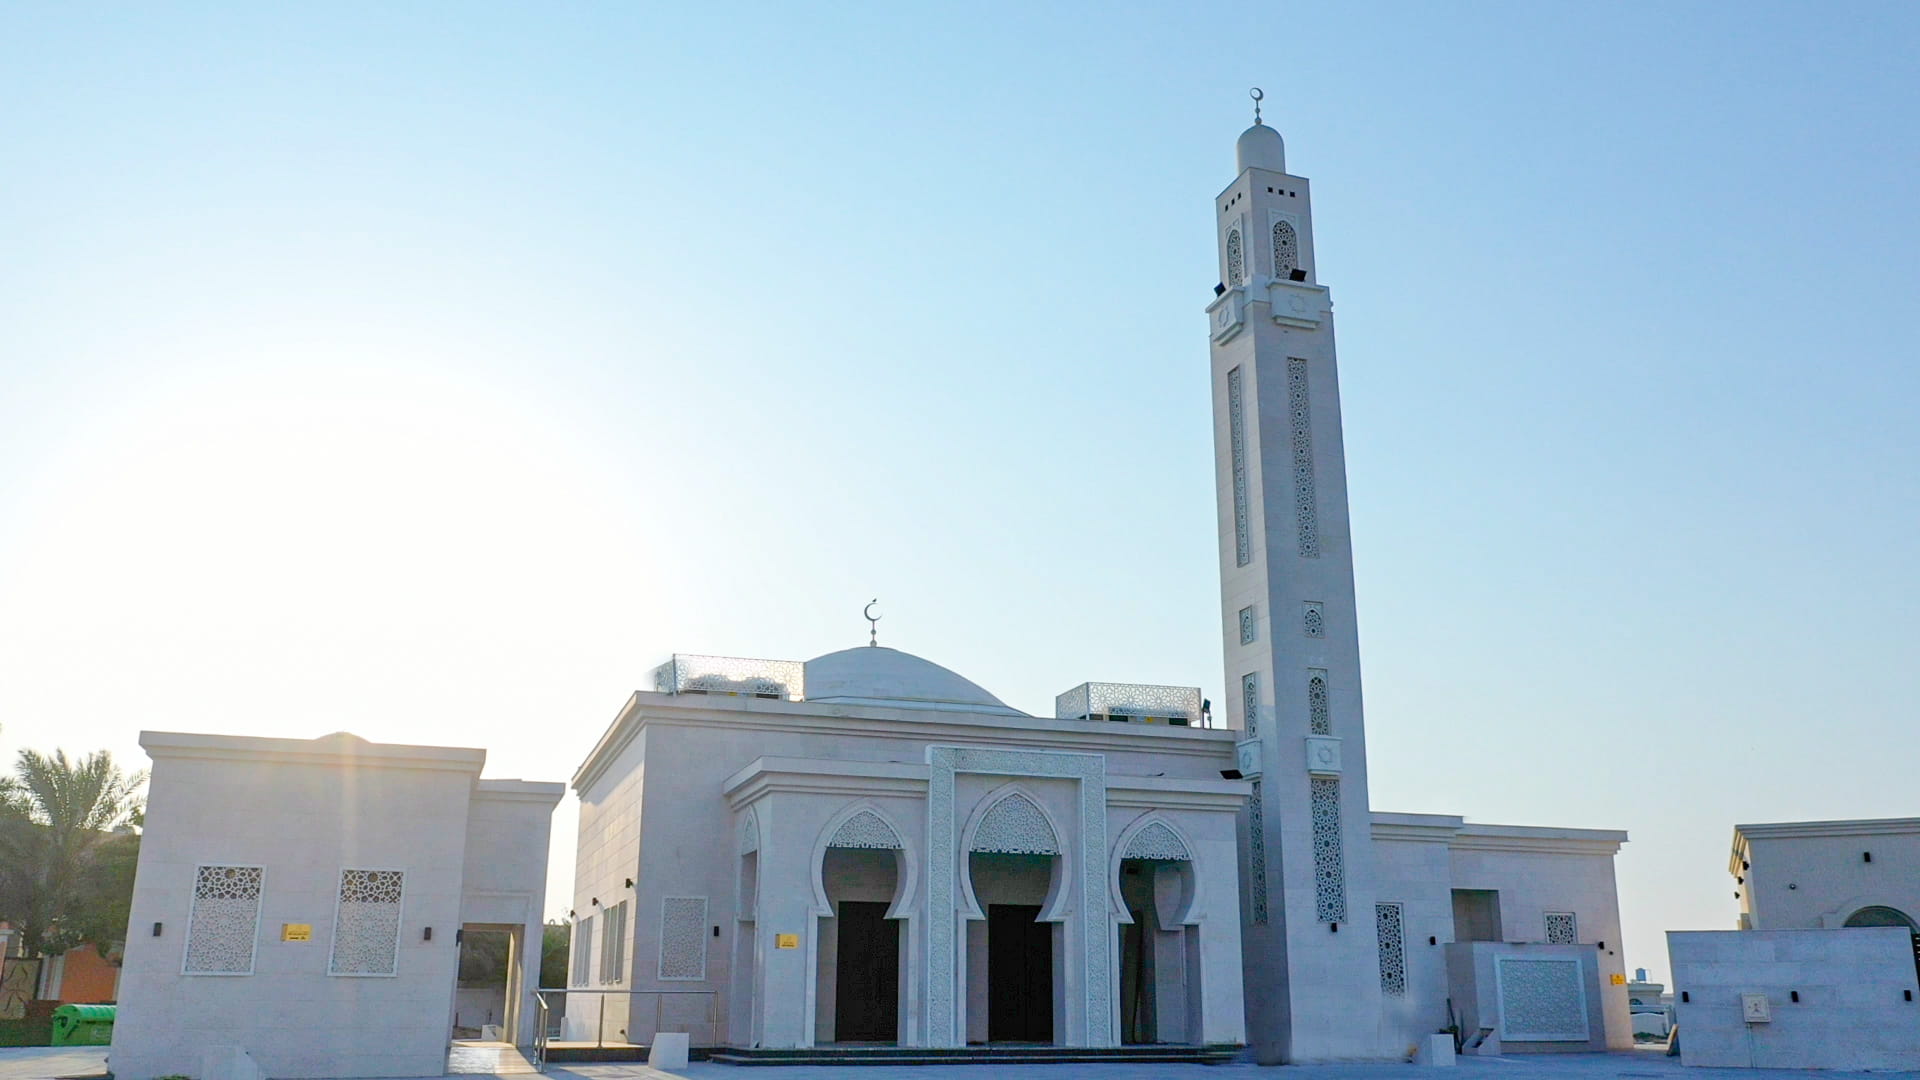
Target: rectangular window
{"x": 583, "y": 952}
{"x": 1390, "y": 926}
{"x": 366, "y": 923}
{"x": 683, "y": 937}
{"x": 613, "y": 944}
{"x": 1476, "y": 915}
{"x": 224, "y": 922}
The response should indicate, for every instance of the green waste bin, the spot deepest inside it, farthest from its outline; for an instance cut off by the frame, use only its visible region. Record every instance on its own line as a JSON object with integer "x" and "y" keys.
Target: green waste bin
{"x": 83, "y": 1025}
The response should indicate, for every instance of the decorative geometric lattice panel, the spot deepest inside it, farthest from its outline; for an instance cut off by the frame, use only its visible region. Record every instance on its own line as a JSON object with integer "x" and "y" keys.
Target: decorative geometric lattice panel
{"x": 1329, "y": 862}
{"x": 1542, "y": 1000}
{"x": 687, "y": 673}
{"x": 1313, "y": 620}
{"x": 1561, "y": 929}
{"x": 1319, "y": 718}
{"x": 683, "y": 937}
{"x": 1156, "y": 841}
{"x": 1236, "y": 257}
{"x": 1306, "y": 512}
{"x": 1390, "y": 927}
{"x": 1237, "y": 437}
{"x": 1250, "y": 701}
{"x": 1286, "y": 249}
{"x": 1246, "y": 626}
{"x": 1257, "y": 854}
{"x": 1015, "y": 826}
{"x": 366, "y": 923}
{"x": 582, "y": 950}
{"x": 225, "y": 920}
{"x": 865, "y": 829}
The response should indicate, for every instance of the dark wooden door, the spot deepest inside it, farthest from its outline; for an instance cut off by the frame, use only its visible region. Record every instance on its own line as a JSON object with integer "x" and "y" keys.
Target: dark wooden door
{"x": 1019, "y": 975}
{"x": 866, "y": 996}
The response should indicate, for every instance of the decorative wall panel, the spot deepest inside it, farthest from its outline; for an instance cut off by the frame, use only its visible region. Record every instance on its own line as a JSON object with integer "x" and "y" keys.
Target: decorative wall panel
{"x": 1237, "y": 438}
{"x": 1247, "y": 625}
{"x": 366, "y": 923}
{"x": 1286, "y": 249}
{"x": 225, "y": 920}
{"x": 1313, "y": 620}
{"x": 1015, "y": 826}
{"x": 1257, "y": 855}
{"x": 1156, "y": 841}
{"x": 1236, "y": 257}
{"x": 1250, "y": 702}
{"x": 1319, "y": 715}
{"x": 1306, "y": 512}
{"x": 865, "y": 829}
{"x": 683, "y": 937}
{"x": 1561, "y": 929}
{"x": 1329, "y": 861}
{"x": 1542, "y": 1000}
{"x": 1390, "y": 928}
{"x": 749, "y": 833}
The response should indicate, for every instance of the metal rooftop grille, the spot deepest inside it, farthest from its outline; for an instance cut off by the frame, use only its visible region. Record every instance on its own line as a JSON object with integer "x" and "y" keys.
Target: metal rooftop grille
{"x": 1130, "y": 701}
{"x": 736, "y": 675}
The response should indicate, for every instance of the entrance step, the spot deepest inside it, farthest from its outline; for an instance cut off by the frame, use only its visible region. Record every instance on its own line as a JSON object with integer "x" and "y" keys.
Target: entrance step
{"x": 979, "y": 1055}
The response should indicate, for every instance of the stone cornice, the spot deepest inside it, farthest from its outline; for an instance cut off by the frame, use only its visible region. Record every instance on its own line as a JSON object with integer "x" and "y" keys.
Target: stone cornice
{"x": 330, "y": 750}
{"x": 1537, "y": 840}
{"x": 523, "y": 791}
{"x": 916, "y": 726}
{"x": 1854, "y": 827}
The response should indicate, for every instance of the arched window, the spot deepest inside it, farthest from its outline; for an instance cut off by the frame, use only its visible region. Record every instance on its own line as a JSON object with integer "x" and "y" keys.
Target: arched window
{"x": 1236, "y": 258}
{"x": 1880, "y": 916}
{"x": 1286, "y": 249}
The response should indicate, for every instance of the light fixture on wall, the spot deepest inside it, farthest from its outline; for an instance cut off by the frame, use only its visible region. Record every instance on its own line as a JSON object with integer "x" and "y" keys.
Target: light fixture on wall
{"x": 1229, "y": 774}
{"x": 1866, "y": 856}
{"x": 629, "y": 883}
{"x": 1297, "y": 274}
{"x": 156, "y": 929}
{"x": 428, "y": 936}
{"x": 596, "y": 901}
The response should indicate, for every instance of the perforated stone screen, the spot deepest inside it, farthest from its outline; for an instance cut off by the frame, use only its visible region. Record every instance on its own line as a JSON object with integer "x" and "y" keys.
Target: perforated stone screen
{"x": 366, "y": 923}
{"x": 683, "y": 937}
{"x": 225, "y": 920}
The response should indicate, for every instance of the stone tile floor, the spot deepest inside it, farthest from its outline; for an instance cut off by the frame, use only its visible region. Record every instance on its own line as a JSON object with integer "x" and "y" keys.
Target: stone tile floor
{"x": 44, "y": 1063}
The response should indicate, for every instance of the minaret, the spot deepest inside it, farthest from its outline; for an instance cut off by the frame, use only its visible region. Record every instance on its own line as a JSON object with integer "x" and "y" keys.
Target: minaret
{"x": 1287, "y": 612}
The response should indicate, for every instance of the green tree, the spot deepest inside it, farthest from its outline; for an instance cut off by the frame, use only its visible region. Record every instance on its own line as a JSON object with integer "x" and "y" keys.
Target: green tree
{"x": 67, "y": 849}
{"x": 555, "y": 941}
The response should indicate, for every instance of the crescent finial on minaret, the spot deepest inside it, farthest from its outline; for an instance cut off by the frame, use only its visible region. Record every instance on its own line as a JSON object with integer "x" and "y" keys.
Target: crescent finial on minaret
{"x": 873, "y": 622}
{"x": 1258, "y": 96}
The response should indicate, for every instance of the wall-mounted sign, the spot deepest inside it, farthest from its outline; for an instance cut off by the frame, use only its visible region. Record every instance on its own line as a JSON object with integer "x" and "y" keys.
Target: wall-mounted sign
{"x": 786, "y": 941}
{"x": 1755, "y": 1010}
{"x": 296, "y": 931}
{"x": 1619, "y": 979}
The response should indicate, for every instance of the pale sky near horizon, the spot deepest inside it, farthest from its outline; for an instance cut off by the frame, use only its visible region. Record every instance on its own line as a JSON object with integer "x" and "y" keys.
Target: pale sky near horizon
{"x": 432, "y": 371}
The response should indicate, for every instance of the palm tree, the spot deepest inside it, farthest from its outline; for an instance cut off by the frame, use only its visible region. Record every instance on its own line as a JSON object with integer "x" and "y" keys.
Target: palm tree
{"x": 62, "y": 864}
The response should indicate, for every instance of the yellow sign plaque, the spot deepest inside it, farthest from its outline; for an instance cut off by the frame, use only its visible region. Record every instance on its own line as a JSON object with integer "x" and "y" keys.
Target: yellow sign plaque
{"x": 786, "y": 941}
{"x": 296, "y": 931}
{"x": 1619, "y": 980}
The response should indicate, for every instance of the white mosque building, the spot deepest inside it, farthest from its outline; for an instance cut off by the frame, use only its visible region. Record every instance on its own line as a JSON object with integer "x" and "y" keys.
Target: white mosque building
{"x": 867, "y": 848}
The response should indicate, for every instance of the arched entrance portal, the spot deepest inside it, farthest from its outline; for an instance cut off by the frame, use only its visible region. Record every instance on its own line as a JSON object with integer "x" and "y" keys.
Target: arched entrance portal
{"x": 1159, "y": 954}
{"x": 1015, "y": 954}
{"x": 859, "y": 946}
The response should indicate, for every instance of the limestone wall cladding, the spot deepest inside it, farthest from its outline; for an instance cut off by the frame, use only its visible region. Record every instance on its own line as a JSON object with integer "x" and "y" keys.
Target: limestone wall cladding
{"x": 503, "y": 882}
{"x": 1804, "y": 882}
{"x": 1417, "y": 875}
{"x": 303, "y": 823}
{"x": 1852, "y": 1013}
{"x": 1533, "y": 883}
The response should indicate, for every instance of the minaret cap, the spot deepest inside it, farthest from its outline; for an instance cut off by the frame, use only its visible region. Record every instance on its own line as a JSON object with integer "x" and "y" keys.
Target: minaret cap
{"x": 1260, "y": 147}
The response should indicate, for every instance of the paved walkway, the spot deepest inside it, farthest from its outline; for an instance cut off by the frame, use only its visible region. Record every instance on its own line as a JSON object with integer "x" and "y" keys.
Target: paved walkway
{"x": 45, "y": 1062}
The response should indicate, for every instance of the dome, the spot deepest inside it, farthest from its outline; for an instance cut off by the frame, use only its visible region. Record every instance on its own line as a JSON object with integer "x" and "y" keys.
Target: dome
{"x": 875, "y": 675}
{"x": 1260, "y": 147}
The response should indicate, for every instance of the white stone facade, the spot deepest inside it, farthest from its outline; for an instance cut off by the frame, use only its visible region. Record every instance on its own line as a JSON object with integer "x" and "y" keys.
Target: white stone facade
{"x": 383, "y": 852}
{"x": 1805, "y": 874}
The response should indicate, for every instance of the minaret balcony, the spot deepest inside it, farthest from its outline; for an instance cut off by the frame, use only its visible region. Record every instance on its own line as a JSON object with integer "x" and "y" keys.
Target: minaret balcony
{"x": 1227, "y": 315}
{"x": 1134, "y": 703}
{"x": 735, "y": 676}
{"x": 1298, "y": 304}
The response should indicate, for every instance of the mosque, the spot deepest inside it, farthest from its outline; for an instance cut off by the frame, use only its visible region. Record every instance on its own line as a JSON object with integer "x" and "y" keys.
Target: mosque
{"x": 867, "y": 848}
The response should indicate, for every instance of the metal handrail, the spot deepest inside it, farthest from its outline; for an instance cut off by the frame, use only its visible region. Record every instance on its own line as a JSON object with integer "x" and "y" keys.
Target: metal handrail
{"x": 543, "y": 1036}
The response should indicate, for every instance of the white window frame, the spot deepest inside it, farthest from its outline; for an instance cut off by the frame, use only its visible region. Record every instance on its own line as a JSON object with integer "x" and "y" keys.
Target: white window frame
{"x": 259, "y": 908}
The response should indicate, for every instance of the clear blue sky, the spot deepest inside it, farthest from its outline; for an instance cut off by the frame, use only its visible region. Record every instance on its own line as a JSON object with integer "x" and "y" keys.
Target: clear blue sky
{"x": 431, "y": 371}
